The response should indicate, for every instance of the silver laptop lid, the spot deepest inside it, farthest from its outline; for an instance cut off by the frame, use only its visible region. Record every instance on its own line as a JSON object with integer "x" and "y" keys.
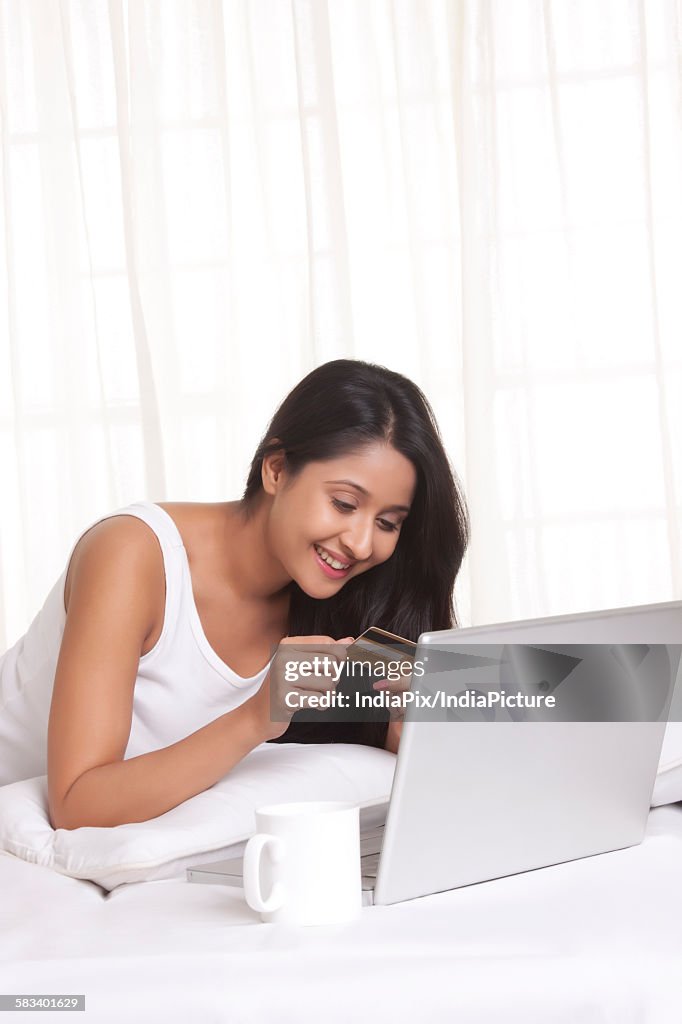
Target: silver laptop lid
{"x": 650, "y": 623}
{"x": 479, "y": 799}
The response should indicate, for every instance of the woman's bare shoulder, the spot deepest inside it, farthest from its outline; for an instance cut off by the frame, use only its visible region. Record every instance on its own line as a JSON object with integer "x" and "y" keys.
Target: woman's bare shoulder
{"x": 107, "y": 539}
{"x": 201, "y": 524}
{"x": 197, "y": 513}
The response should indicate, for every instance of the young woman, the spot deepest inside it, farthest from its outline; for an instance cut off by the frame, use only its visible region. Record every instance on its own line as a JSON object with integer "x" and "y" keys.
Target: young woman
{"x": 152, "y": 650}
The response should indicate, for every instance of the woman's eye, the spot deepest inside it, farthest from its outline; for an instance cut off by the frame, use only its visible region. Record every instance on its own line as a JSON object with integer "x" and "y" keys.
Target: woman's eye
{"x": 388, "y": 527}
{"x": 342, "y": 505}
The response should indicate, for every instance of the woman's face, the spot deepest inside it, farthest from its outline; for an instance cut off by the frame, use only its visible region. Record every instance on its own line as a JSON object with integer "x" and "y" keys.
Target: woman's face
{"x": 340, "y": 517}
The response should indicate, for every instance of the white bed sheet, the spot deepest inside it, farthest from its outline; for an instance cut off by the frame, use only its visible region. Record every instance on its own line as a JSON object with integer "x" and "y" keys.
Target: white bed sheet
{"x": 595, "y": 940}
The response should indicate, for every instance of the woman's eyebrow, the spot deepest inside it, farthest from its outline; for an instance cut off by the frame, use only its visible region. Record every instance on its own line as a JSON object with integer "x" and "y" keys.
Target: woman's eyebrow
{"x": 351, "y": 483}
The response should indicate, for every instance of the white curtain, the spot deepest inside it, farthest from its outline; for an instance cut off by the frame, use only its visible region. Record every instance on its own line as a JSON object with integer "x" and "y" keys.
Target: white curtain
{"x": 204, "y": 199}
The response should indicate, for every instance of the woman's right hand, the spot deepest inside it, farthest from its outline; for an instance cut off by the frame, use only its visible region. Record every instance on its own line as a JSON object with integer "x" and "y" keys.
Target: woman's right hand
{"x": 271, "y": 711}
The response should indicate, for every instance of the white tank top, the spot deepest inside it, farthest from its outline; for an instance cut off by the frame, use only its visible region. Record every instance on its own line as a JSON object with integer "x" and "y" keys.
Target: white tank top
{"x": 181, "y": 683}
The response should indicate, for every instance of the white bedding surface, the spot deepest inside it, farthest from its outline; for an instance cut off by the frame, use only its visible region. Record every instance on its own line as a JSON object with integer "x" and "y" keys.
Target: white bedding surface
{"x": 595, "y": 940}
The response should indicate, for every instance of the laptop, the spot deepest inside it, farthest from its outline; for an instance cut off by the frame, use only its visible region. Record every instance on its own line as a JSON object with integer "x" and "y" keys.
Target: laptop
{"x": 481, "y": 794}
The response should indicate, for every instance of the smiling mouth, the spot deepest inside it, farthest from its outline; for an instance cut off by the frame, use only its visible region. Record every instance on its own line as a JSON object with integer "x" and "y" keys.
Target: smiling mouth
{"x": 332, "y": 562}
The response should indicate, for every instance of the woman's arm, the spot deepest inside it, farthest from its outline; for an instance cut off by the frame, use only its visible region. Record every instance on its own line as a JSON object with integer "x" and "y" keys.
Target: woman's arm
{"x": 395, "y": 726}
{"x": 146, "y": 786}
{"x": 393, "y": 735}
{"x": 116, "y": 586}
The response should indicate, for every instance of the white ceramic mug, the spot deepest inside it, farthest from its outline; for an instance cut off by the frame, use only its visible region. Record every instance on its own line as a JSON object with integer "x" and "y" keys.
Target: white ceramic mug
{"x": 303, "y": 864}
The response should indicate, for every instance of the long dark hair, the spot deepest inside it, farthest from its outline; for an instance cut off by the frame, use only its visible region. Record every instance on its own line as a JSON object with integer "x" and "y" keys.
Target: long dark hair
{"x": 338, "y": 409}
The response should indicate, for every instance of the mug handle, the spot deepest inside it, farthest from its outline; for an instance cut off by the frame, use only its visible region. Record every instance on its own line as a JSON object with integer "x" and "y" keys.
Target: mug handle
{"x": 252, "y": 856}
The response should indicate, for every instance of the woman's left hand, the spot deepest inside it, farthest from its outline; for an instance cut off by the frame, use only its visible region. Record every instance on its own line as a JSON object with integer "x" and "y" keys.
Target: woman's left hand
{"x": 396, "y": 686}
{"x": 393, "y": 735}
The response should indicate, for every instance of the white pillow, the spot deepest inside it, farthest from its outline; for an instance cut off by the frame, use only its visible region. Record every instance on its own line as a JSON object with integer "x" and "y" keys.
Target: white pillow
{"x": 209, "y": 826}
{"x": 668, "y": 787}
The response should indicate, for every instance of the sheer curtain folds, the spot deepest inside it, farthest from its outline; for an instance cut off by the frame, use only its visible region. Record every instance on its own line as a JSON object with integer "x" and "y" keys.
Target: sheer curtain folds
{"x": 202, "y": 200}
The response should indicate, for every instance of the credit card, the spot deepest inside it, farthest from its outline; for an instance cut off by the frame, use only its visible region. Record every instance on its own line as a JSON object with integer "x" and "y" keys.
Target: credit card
{"x": 378, "y": 645}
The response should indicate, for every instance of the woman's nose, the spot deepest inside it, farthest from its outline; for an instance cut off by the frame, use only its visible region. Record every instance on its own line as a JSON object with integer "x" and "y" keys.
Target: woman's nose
{"x": 358, "y": 541}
